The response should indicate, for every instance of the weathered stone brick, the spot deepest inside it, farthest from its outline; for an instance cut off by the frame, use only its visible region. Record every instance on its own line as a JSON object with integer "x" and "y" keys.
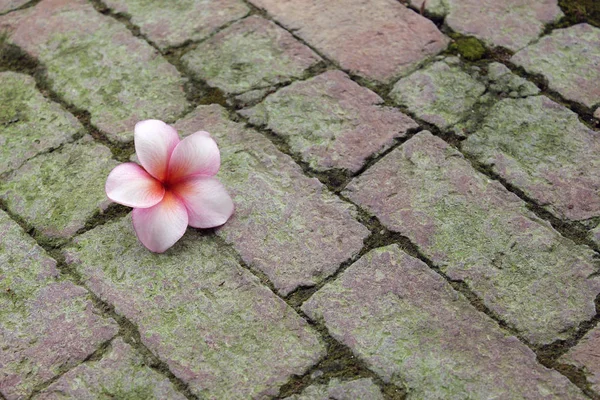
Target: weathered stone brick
{"x": 585, "y": 356}
{"x": 58, "y": 192}
{"x": 512, "y": 24}
{"x": 120, "y": 374}
{"x": 569, "y": 59}
{"x": 29, "y": 123}
{"x": 331, "y": 121}
{"x": 173, "y": 23}
{"x": 414, "y": 330}
{"x": 503, "y": 82}
{"x": 216, "y": 326}
{"x": 341, "y": 390}
{"x": 543, "y": 149}
{"x": 96, "y": 64}
{"x": 440, "y": 94}
{"x": 476, "y": 231}
{"x": 286, "y": 225}
{"x": 251, "y": 54}
{"x": 8, "y": 5}
{"x": 379, "y": 40}
{"x": 46, "y": 324}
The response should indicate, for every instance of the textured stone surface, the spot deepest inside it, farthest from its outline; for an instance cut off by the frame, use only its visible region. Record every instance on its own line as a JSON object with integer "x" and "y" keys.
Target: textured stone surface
{"x": 512, "y": 24}
{"x": 95, "y": 63}
{"x": 541, "y": 148}
{"x": 570, "y": 61}
{"x": 286, "y": 225}
{"x": 331, "y": 121}
{"x": 8, "y": 5}
{"x": 46, "y": 324}
{"x": 378, "y": 40}
{"x": 363, "y": 389}
{"x": 216, "y": 326}
{"x": 173, "y": 23}
{"x": 476, "y": 231}
{"x": 29, "y": 124}
{"x": 120, "y": 374}
{"x": 503, "y": 82}
{"x": 251, "y": 54}
{"x": 440, "y": 94}
{"x": 415, "y": 331}
{"x": 58, "y": 192}
{"x": 586, "y": 356}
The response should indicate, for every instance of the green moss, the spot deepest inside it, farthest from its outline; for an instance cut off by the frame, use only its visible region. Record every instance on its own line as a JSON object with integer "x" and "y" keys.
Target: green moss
{"x": 469, "y": 48}
{"x": 578, "y": 11}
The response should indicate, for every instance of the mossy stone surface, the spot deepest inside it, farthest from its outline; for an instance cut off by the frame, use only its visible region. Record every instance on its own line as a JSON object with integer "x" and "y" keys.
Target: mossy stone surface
{"x": 121, "y": 374}
{"x": 216, "y": 326}
{"x": 585, "y": 357}
{"x": 173, "y": 23}
{"x": 251, "y": 54}
{"x": 441, "y": 94}
{"x": 285, "y": 224}
{"x": 96, "y": 64}
{"x": 341, "y": 390}
{"x": 569, "y": 59}
{"x": 543, "y": 149}
{"x": 331, "y": 121}
{"x": 57, "y": 192}
{"x": 47, "y": 324}
{"x": 475, "y": 231}
{"x": 29, "y": 123}
{"x": 412, "y": 329}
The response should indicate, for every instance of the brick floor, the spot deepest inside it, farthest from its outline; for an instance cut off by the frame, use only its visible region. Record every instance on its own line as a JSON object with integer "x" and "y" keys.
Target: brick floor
{"x": 367, "y": 258}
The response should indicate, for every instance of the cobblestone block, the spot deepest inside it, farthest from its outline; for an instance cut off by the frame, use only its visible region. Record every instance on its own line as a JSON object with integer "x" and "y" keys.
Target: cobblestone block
{"x": 349, "y": 390}
{"x": 414, "y": 330}
{"x": 543, "y": 149}
{"x": 168, "y": 24}
{"x": 58, "y": 192}
{"x": 29, "y": 123}
{"x": 46, "y": 325}
{"x": 440, "y": 94}
{"x": 251, "y": 54}
{"x": 379, "y": 40}
{"x": 512, "y": 24}
{"x": 96, "y": 64}
{"x": 569, "y": 59}
{"x": 120, "y": 374}
{"x": 286, "y": 225}
{"x": 585, "y": 356}
{"x": 8, "y": 5}
{"x": 477, "y": 232}
{"x": 331, "y": 121}
{"x": 503, "y": 82}
{"x": 216, "y": 326}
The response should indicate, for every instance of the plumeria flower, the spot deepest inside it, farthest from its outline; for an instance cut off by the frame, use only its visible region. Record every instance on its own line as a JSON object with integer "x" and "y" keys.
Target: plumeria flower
{"x": 173, "y": 188}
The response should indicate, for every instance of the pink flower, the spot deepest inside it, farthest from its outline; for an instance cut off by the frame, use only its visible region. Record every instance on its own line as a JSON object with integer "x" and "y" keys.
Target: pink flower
{"x": 175, "y": 186}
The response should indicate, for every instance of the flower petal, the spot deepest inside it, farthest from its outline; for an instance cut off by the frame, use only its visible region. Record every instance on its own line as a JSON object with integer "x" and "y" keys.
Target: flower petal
{"x": 130, "y": 185}
{"x": 159, "y": 227}
{"x": 154, "y": 143}
{"x": 197, "y": 154}
{"x": 206, "y": 200}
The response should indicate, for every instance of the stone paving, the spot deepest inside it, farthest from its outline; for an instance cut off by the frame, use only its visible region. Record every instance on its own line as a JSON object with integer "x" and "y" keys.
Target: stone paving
{"x": 416, "y": 188}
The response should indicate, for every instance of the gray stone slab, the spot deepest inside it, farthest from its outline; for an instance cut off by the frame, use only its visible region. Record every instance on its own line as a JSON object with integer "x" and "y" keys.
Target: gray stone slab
{"x": 585, "y": 356}
{"x": 413, "y": 330}
{"x": 216, "y": 326}
{"x": 58, "y": 192}
{"x": 95, "y": 63}
{"x": 379, "y": 40}
{"x": 335, "y": 389}
{"x": 120, "y": 374}
{"x": 29, "y": 123}
{"x": 47, "y": 324}
{"x": 569, "y": 59}
{"x": 251, "y": 54}
{"x": 331, "y": 121}
{"x": 173, "y": 23}
{"x": 477, "y": 232}
{"x": 285, "y": 224}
